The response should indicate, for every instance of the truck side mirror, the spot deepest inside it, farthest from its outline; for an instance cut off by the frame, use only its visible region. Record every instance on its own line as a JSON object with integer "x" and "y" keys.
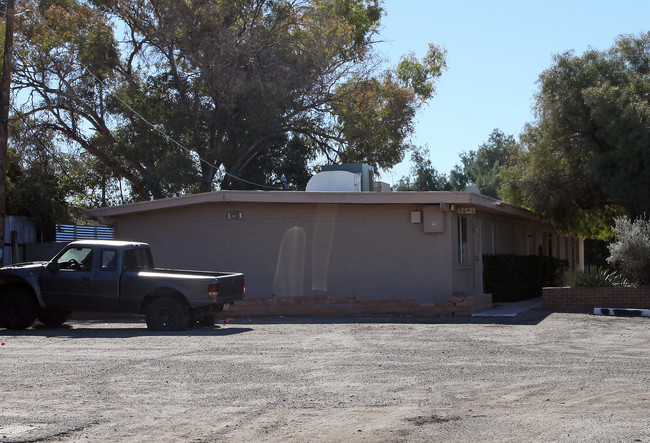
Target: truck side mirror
{"x": 53, "y": 266}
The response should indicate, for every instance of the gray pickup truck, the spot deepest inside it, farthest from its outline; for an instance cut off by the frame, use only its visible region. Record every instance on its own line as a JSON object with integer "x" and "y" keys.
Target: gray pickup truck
{"x": 113, "y": 276}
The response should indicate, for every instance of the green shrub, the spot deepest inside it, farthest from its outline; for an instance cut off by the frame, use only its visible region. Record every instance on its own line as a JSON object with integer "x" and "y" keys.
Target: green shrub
{"x": 596, "y": 276}
{"x": 516, "y": 277}
{"x": 630, "y": 253}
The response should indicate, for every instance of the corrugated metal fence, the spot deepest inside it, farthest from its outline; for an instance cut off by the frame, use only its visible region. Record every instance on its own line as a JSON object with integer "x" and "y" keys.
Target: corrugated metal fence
{"x": 18, "y": 232}
{"x": 68, "y": 233}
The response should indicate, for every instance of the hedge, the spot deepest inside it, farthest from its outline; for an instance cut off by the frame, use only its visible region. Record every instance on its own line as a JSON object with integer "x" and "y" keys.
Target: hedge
{"x": 512, "y": 278}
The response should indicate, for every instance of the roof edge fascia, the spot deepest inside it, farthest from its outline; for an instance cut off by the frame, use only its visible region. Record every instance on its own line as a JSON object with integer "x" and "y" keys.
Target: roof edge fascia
{"x": 302, "y": 197}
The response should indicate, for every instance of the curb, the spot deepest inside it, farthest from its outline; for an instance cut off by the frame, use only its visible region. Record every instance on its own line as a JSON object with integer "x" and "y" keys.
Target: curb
{"x": 622, "y": 312}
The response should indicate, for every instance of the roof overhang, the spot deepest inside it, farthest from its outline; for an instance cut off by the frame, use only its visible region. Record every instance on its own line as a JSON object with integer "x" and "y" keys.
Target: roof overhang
{"x": 482, "y": 203}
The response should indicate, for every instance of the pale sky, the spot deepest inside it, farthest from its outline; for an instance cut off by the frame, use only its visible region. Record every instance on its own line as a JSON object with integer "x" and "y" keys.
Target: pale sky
{"x": 496, "y": 51}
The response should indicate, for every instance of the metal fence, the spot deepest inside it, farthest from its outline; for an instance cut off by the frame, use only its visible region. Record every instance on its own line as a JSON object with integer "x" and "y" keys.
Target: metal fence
{"x": 68, "y": 233}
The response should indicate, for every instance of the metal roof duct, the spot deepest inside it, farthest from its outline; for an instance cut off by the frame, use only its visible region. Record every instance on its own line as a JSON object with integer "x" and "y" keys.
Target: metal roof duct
{"x": 335, "y": 181}
{"x": 343, "y": 182}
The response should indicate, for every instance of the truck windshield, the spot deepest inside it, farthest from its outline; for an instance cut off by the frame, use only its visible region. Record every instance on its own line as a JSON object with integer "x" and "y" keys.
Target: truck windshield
{"x": 138, "y": 259}
{"x": 76, "y": 259}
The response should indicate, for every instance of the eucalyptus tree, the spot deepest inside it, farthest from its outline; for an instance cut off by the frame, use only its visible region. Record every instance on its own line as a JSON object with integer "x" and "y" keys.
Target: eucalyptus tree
{"x": 179, "y": 96}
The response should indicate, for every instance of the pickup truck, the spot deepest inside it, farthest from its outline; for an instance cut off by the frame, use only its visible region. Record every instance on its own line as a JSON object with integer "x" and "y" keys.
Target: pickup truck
{"x": 113, "y": 276}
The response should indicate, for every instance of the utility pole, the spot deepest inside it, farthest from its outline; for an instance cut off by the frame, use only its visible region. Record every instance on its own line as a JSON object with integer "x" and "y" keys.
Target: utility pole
{"x": 5, "y": 92}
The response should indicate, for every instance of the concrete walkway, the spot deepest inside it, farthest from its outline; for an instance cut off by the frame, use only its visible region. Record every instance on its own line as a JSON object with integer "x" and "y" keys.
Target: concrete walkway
{"x": 510, "y": 309}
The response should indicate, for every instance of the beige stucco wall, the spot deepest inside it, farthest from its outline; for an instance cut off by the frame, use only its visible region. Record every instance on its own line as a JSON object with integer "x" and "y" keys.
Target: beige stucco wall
{"x": 371, "y": 251}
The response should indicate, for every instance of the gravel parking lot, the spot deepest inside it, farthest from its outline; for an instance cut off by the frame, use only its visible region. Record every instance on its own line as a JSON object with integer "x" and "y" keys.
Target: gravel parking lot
{"x": 535, "y": 377}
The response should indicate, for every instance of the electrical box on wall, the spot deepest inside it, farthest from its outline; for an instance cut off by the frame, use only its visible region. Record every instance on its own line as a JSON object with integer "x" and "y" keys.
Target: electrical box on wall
{"x": 416, "y": 217}
{"x": 433, "y": 219}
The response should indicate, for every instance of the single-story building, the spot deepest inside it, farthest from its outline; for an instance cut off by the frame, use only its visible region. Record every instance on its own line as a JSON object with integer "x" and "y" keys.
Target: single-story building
{"x": 357, "y": 253}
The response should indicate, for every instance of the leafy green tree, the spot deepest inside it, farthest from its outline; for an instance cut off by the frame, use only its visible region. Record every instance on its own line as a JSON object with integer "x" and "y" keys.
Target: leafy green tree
{"x": 35, "y": 191}
{"x": 67, "y": 60}
{"x": 284, "y": 166}
{"x": 196, "y": 95}
{"x": 482, "y": 167}
{"x": 424, "y": 177}
{"x": 90, "y": 183}
{"x": 585, "y": 159}
{"x": 375, "y": 116}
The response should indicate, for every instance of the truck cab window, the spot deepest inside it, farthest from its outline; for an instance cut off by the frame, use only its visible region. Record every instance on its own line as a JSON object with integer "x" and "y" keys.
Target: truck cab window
{"x": 138, "y": 259}
{"x": 108, "y": 260}
{"x": 76, "y": 259}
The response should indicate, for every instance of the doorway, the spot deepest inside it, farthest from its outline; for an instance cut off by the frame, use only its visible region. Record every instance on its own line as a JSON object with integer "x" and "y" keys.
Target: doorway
{"x": 478, "y": 258}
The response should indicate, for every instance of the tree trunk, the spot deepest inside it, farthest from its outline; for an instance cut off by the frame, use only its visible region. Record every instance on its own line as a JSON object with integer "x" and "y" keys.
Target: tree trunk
{"x": 5, "y": 92}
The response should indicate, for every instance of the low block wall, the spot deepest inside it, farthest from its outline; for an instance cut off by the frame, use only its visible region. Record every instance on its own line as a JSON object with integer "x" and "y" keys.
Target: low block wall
{"x": 586, "y": 299}
{"x": 349, "y": 306}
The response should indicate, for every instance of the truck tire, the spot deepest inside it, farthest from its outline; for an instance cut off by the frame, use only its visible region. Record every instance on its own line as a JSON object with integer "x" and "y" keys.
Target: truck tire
{"x": 18, "y": 309}
{"x": 206, "y": 321}
{"x": 167, "y": 314}
{"x": 52, "y": 317}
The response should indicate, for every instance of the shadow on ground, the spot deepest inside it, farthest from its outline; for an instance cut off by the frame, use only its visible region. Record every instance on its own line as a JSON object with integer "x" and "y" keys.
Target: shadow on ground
{"x": 135, "y": 327}
{"x": 85, "y": 330}
{"x": 531, "y": 317}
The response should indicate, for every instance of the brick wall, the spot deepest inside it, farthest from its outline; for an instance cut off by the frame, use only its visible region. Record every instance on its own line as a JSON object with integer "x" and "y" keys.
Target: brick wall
{"x": 350, "y": 306}
{"x": 586, "y": 299}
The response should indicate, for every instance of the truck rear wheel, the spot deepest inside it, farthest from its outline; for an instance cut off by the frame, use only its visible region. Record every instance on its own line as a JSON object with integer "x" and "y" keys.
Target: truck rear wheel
{"x": 206, "y": 321}
{"x": 18, "y": 309}
{"x": 167, "y": 314}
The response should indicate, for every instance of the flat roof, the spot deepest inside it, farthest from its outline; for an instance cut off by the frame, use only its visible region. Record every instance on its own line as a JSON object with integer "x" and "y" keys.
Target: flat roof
{"x": 482, "y": 202}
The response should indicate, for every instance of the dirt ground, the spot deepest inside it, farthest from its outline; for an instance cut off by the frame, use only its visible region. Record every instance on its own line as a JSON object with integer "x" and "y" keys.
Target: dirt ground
{"x": 535, "y": 377}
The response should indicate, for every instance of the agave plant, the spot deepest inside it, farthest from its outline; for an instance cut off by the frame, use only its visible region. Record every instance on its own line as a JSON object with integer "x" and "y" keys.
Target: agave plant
{"x": 596, "y": 276}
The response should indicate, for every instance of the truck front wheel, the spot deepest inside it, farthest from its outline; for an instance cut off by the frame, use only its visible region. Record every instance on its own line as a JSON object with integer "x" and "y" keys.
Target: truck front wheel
{"x": 52, "y": 317}
{"x": 18, "y": 309}
{"x": 167, "y": 314}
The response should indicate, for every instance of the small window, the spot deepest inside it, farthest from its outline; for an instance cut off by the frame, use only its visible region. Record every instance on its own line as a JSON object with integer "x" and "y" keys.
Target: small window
{"x": 462, "y": 240}
{"x": 109, "y": 260}
{"x": 76, "y": 259}
{"x": 137, "y": 259}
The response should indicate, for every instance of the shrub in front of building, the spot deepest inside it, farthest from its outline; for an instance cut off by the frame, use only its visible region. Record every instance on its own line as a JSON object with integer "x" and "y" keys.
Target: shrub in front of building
{"x": 598, "y": 277}
{"x": 511, "y": 278}
{"x": 630, "y": 253}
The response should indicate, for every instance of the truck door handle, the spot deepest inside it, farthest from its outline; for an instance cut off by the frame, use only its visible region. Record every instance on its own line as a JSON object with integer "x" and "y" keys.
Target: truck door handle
{"x": 86, "y": 278}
